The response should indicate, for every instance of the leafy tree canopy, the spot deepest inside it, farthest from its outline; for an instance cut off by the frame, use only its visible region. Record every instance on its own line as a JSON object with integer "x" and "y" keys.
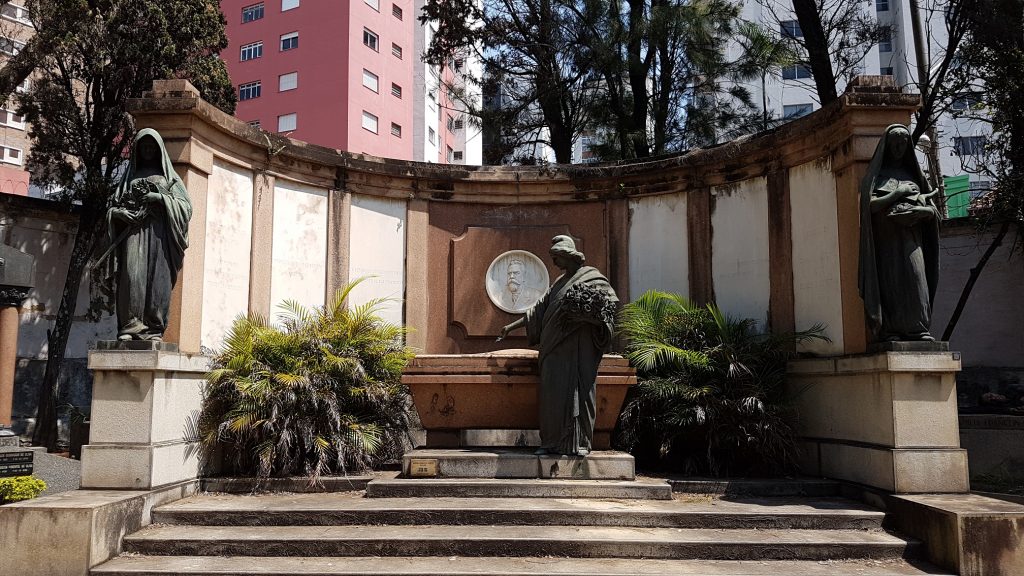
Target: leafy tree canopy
{"x": 86, "y": 59}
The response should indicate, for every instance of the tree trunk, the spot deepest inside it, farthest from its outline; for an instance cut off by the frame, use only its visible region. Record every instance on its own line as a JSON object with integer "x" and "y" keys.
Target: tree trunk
{"x": 969, "y": 286}
{"x": 817, "y": 49}
{"x": 45, "y": 433}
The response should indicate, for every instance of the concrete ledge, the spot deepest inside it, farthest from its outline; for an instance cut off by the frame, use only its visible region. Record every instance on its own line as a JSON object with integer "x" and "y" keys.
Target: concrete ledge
{"x": 71, "y": 532}
{"x": 513, "y": 463}
{"x": 971, "y": 534}
{"x": 298, "y": 484}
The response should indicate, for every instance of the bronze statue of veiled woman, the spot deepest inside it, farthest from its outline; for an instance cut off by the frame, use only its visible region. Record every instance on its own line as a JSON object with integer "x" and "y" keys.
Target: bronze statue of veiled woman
{"x": 899, "y": 241}
{"x": 572, "y": 323}
{"x": 148, "y": 228}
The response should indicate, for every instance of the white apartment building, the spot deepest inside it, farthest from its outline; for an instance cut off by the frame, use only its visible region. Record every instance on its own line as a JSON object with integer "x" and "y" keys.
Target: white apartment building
{"x": 791, "y": 93}
{"x": 443, "y": 131}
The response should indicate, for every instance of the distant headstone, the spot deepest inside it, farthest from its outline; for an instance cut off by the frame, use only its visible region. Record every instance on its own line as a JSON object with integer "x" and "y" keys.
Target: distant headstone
{"x": 16, "y": 463}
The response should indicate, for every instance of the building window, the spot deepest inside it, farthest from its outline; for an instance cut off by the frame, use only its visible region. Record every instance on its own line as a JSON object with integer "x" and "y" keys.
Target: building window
{"x": 431, "y": 135}
{"x": 370, "y": 39}
{"x": 796, "y": 110}
{"x": 886, "y": 71}
{"x": 371, "y": 81}
{"x": 17, "y": 13}
{"x": 969, "y": 145}
{"x": 396, "y": 50}
{"x": 396, "y": 90}
{"x": 250, "y": 90}
{"x": 254, "y": 12}
{"x": 11, "y": 155}
{"x": 289, "y": 81}
{"x": 255, "y": 124}
{"x": 24, "y": 86}
{"x": 458, "y": 124}
{"x": 375, "y": 4}
{"x": 885, "y": 44}
{"x": 790, "y": 29}
{"x": 369, "y": 122}
{"x": 450, "y": 155}
{"x": 11, "y": 47}
{"x": 289, "y": 4}
{"x": 396, "y": 130}
{"x": 287, "y": 123}
{"x": 796, "y": 72}
{"x": 457, "y": 156}
{"x": 12, "y": 119}
{"x": 252, "y": 51}
{"x": 881, "y": 5}
{"x": 966, "y": 100}
{"x": 289, "y": 41}
{"x": 396, "y": 11}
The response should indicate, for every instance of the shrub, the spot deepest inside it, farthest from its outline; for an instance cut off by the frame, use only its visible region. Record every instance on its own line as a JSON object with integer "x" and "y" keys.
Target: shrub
{"x": 20, "y": 488}
{"x": 710, "y": 397}
{"x": 319, "y": 394}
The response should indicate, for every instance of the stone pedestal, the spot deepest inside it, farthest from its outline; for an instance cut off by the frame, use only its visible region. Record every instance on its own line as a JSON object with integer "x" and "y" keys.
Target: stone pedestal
{"x": 886, "y": 420}
{"x": 143, "y": 401}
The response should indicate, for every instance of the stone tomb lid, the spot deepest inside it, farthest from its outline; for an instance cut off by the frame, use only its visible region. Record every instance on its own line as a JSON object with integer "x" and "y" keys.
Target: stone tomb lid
{"x": 16, "y": 267}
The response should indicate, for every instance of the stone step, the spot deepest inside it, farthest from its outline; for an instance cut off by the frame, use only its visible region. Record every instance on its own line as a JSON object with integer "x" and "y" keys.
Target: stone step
{"x": 516, "y": 463}
{"x": 572, "y": 541}
{"x": 518, "y": 488}
{"x": 810, "y": 487}
{"x": 683, "y": 512}
{"x": 432, "y": 566}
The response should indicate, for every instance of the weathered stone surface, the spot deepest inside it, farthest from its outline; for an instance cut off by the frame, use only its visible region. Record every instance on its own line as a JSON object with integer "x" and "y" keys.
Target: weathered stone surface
{"x": 774, "y": 487}
{"x": 579, "y": 542}
{"x": 142, "y": 404}
{"x": 970, "y": 534}
{"x": 490, "y": 566}
{"x": 88, "y": 524}
{"x": 517, "y": 488}
{"x": 887, "y": 420}
{"x": 301, "y": 485}
{"x": 455, "y": 392}
{"x": 522, "y": 463}
{"x": 344, "y": 509}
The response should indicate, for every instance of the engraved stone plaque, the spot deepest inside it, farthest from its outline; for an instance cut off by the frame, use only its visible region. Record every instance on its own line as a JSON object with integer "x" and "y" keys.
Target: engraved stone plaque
{"x": 423, "y": 467}
{"x": 515, "y": 280}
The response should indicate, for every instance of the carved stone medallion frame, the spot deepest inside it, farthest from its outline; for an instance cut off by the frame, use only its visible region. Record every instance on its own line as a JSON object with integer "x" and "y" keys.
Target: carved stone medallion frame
{"x": 515, "y": 280}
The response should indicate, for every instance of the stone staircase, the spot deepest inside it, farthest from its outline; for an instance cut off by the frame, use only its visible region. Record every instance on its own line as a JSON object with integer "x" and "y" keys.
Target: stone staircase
{"x": 516, "y": 527}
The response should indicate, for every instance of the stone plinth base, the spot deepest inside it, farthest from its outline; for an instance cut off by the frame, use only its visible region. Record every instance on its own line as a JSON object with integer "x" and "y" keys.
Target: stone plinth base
{"x": 886, "y": 420}
{"x": 87, "y": 524}
{"x": 454, "y": 393}
{"x": 969, "y": 534}
{"x": 513, "y": 463}
{"x": 143, "y": 402}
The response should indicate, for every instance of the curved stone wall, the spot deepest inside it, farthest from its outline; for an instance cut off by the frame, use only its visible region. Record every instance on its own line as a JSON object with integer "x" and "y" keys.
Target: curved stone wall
{"x": 765, "y": 225}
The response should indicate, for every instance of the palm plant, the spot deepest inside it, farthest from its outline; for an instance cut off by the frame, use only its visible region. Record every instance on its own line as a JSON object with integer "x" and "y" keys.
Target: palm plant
{"x": 711, "y": 398}
{"x": 319, "y": 394}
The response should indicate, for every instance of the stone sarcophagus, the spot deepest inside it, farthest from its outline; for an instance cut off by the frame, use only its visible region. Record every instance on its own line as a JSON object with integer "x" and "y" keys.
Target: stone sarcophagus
{"x": 498, "y": 391}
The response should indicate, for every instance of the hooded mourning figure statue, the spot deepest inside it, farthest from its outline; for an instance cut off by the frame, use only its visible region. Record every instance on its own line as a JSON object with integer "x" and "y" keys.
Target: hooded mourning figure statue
{"x": 147, "y": 225}
{"x": 572, "y": 323}
{"x": 899, "y": 241}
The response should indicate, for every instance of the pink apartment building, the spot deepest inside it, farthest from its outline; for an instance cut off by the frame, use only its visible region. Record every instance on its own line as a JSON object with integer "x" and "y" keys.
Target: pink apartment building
{"x": 337, "y": 73}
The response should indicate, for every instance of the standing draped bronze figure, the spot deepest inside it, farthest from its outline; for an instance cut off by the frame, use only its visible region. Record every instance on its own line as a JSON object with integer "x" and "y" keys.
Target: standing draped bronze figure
{"x": 899, "y": 242}
{"x": 572, "y": 323}
{"x": 148, "y": 229}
